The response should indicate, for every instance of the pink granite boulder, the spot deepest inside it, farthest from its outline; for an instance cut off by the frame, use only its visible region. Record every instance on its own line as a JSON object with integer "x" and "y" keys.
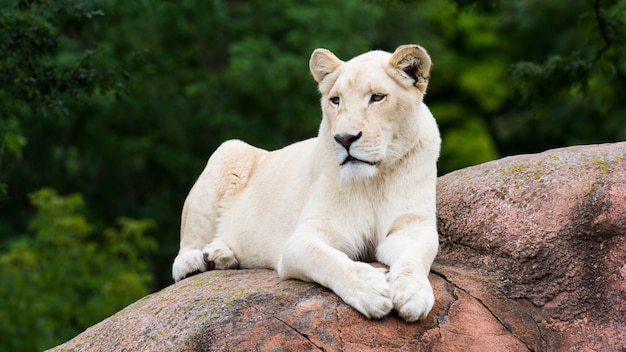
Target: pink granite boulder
{"x": 532, "y": 258}
{"x": 548, "y": 232}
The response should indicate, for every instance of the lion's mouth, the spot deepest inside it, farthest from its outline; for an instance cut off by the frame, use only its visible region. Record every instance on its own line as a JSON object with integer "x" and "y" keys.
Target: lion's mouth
{"x": 351, "y": 159}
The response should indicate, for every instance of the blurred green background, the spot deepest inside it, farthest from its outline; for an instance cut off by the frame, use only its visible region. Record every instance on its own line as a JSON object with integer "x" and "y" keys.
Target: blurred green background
{"x": 109, "y": 110}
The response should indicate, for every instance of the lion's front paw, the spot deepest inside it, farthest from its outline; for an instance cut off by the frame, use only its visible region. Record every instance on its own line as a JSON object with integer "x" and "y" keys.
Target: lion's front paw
{"x": 412, "y": 298}
{"x": 367, "y": 291}
{"x": 217, "y": 255}
{"x": 188, "y": 263}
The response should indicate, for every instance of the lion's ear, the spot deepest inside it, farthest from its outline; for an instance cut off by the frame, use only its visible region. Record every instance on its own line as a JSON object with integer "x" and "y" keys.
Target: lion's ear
{"x": 413, "y": 61}
{"x": 322, "y": 63}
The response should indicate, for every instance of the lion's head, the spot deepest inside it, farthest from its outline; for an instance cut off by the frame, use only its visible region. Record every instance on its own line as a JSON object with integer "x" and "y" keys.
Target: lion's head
{"x": 371, "y": 106}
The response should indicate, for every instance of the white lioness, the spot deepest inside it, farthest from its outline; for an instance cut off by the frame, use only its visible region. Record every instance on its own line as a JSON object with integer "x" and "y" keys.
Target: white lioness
{"x": 363, "y": 190}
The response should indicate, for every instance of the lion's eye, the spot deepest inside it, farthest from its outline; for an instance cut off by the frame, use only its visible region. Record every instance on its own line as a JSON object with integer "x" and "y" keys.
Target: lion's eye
{"x": 376, "y": 97}
{"x": 334, "y": 100}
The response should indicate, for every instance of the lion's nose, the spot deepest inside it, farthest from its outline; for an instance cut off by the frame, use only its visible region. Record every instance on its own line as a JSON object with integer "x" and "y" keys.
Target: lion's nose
{"x": 346, "y": 139}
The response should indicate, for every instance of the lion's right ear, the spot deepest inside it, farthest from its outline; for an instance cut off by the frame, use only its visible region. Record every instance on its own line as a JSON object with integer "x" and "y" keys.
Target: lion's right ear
{"x": 322, "y": 63}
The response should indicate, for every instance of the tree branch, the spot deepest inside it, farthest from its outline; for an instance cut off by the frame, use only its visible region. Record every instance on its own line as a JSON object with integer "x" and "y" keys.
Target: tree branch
{"x": 602, "y": 26}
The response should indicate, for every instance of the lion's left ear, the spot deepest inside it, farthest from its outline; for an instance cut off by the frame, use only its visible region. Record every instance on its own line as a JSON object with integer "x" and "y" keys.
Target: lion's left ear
{"x": 414, "y": 61}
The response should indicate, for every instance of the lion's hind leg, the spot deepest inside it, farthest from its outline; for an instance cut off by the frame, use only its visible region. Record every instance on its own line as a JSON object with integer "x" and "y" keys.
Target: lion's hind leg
{"x": 225, "y": 175}
{"x": 188, "y": 263}
{"x": 217, "y": 255}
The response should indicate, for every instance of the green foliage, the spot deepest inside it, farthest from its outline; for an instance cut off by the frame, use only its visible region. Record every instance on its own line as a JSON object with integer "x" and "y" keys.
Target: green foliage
{"x": 34, "y": 71}
{"x": 567, "y": 94}
{"x": 11, "y": 141}
{"x": 557, "y": 78}
{"x": 44, "y": 63}
{"x": 92, "y": 273}
{"x": 598, "y": 52}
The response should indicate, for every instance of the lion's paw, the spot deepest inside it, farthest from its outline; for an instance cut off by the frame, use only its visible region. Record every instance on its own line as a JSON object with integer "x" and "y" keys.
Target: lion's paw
{"x": 367, "y": 291}
{"x": 412, "y": 298}
{"x": 217, "y": 255}
{"x": 188, "y": 263}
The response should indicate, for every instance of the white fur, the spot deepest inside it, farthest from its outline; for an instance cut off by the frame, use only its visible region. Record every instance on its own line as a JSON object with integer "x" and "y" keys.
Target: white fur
{"x": 299, "y": 211}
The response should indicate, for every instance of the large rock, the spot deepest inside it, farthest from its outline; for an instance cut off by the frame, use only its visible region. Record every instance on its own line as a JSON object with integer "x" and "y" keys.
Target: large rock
{"x": 533, "y": 258}
{"x": 545, "y": 234}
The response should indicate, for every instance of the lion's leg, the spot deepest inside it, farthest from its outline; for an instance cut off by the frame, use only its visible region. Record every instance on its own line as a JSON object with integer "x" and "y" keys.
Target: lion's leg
{"x": 218, "y": 255}
{"x": 308, "y": 257}
{"x": 224, "y": 176}
{"x": 197, "y": 226}
{"x": 409, "y": 252}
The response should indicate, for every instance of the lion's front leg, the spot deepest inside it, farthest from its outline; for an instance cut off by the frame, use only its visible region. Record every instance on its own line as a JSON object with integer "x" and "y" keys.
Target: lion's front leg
{"x": 409, "y": 252}
{"x": 307, "y": 257}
